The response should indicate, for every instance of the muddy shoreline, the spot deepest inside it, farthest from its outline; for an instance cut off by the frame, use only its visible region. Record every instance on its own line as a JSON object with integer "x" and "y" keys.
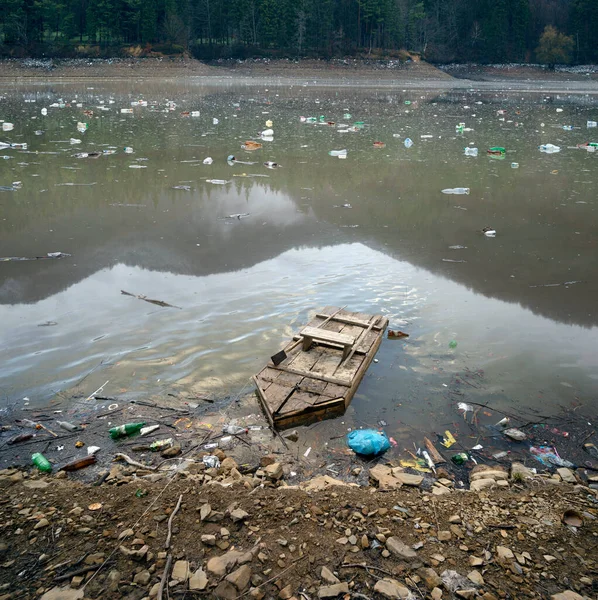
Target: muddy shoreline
{"x": 220, "y": 533}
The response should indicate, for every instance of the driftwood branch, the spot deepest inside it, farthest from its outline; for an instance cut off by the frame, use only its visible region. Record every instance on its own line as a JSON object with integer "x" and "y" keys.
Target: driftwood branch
{"x": 170, "y": 520}
{"x": 132, "y": 462}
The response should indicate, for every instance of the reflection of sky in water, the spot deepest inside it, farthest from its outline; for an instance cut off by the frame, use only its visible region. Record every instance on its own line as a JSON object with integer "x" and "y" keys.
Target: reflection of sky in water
{"x": 230, "y": 323}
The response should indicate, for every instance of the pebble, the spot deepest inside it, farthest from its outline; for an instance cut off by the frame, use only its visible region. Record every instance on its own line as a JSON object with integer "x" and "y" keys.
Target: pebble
{"x": 392, "y": 589}
{"x": 180, "y": 571}
{"x": 332, "y": 591}
{"x": 328, "y": 576}
{"x": 400, "y": 549}
{"x": 41, "y": 524}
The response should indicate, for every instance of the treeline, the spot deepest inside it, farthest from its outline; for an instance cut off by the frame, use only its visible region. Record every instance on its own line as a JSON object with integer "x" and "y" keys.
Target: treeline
{"x": 441, "y": 30}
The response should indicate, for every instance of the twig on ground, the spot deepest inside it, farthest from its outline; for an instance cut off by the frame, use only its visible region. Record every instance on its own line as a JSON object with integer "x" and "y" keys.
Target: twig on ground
{"x": 366, "y": 567}
{"x": 174, "y": 512}
{"x": 271, "y": 578}
{"x": 164, "y": 578}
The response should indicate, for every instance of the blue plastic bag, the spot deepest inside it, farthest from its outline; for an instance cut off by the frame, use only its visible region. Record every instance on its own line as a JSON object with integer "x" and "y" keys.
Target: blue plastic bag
{"x": 368, "y": 442}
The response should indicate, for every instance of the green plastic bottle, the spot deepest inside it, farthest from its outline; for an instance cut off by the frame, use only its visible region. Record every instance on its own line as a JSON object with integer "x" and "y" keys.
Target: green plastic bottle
{"x": 41, "y": 462}
{"x": 460, "y": 459}
{"x": 125, "y": 430}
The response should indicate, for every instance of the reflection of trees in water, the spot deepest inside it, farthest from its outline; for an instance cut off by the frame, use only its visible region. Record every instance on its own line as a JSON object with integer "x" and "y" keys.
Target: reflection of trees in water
{"x": 395, "y": 196}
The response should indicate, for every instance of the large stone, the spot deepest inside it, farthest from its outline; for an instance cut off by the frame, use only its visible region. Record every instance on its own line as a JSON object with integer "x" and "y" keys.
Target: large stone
{"x": 220, "y": 565}
{"x": 204, "y": 511}
{"x": 63, "y": 593}
{"x": 142, "y": 578}
{"x": 567, "y": 475}
{"x": 430, "y": 578}
{"x": 180, "y": 571}
{"x": 238, "y": 515}
{"x": 328, "y": 576}
{"x": 407, "y": 478}
{"x": 36, "y": 484}
{"x": 566, "y": 595}
{"x": 240, "y": 577}
{"x": 476, "y": 577}
{"x": 198, "y": 581}
{"x": 482, "y": 484}
{"x": 228, "y": 464}
{"x": 273, "y": 471}
{"x": 400, "y": 549}
{"x": 332, "y": 591}
{"x": 383, "y": 476}
{"x": 323, "y": 482}
{"x": 112, "y": 580}
{"x": 391, "y": 589}
{"x": 519, "y": 471}
{"x": 504, "y": 553}
{"x": 487, "y": 472}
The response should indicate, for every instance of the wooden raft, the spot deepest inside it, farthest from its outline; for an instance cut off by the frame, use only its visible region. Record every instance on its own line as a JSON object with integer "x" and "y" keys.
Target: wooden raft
{"x": 325, "y": 364}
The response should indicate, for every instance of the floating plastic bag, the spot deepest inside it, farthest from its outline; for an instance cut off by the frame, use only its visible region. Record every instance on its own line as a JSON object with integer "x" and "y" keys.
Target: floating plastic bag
{"x": 368, "y": 442}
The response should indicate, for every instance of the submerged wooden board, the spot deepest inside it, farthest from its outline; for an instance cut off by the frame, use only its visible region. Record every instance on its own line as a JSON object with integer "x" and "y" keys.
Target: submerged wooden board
{"x": 316, "y": 384}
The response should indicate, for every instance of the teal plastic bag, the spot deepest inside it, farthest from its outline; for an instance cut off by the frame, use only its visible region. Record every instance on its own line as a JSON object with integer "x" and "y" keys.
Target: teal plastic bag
{"x": 368, "y": 442}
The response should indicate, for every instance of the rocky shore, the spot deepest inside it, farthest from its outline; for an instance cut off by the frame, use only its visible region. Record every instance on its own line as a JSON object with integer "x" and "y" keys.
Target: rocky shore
{"x": 229, "y": 531}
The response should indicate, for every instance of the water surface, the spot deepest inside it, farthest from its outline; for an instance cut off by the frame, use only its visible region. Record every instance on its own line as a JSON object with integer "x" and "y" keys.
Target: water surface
{"x": 521, "y": 306}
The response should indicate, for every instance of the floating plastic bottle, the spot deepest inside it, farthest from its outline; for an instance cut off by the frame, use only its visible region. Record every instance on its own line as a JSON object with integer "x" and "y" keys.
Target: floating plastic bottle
{"x": 459, "y": 128}
{"x": 568, "y": 127}
{"x": 459, "y": 190}
{"x": 128, "y": 150}
{"x": 161, "y": 444}
{"x": 591, "y": 124}
{"x": 514, "y": 165}
{"x": 496, "y": 150}
{"x": 234, "y": 429}
{"x": 460, "y": 459}
{"x": 549, "y": 148}
{"x": 408, "y": 142}
{"x": 267, "y": 133}
{"x": 125, "y": 430}
{"x": 337, "y": 153}
{"x": 347, "y": 116}
{"x": 41, "y": 462}
{"x": 7, "y": 126}
{"x": 67, "y": 426}
{"x": 471, "y": 151}
{"x": 44, "y": 111}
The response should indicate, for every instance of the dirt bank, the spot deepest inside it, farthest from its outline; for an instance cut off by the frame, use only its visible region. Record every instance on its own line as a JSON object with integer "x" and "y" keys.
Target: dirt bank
{"x": 384, "y": 70}
{"x": 251, "y": 534}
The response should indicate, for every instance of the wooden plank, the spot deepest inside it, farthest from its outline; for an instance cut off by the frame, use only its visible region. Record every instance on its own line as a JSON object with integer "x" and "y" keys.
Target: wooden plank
{"x": 367, "y": 360}
{"x": 304, "y": 361}
{"x": 332, "y": 390}
{"x": 315, "y": 376}
{"x": 347, "y": 358}
{"x": 436, "y": 457}
{"x": 323, "y": 335}
{"x": 313, "y": 414}
{"x": 261, "y": 396}
{"x": 327, "y": 363}
{"x": 349, "y": 321}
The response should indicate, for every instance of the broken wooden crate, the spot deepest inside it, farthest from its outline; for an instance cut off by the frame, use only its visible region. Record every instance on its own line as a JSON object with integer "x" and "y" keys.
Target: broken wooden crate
{"x": 320, "y": 369}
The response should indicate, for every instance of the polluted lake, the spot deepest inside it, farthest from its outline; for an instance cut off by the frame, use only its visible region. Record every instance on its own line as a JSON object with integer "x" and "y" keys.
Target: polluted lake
{"x": 160, "y": 242}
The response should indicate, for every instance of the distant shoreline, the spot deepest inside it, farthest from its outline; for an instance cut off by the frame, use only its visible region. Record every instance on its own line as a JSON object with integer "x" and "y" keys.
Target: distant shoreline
{"x": 383, "y": 73}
